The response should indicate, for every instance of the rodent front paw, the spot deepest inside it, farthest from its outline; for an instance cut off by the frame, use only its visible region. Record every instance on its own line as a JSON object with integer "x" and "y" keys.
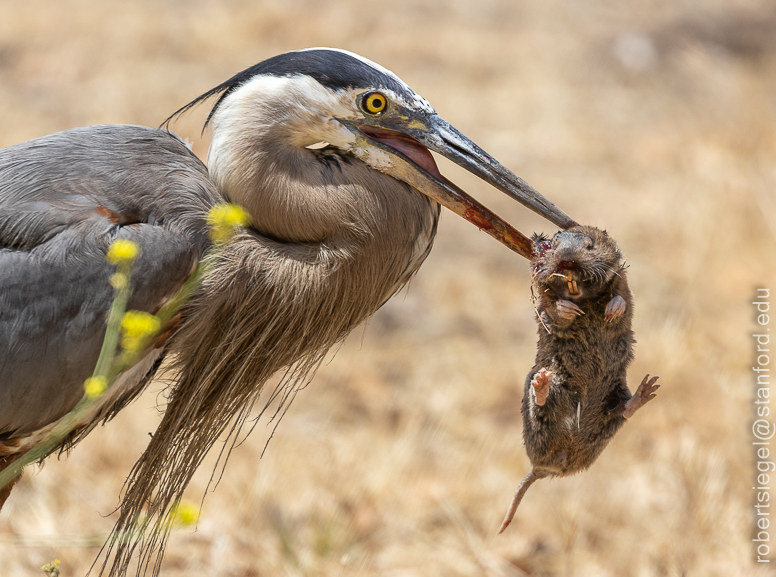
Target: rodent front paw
{"x": 568, "y": 310}
{"x": 615, "y": 309}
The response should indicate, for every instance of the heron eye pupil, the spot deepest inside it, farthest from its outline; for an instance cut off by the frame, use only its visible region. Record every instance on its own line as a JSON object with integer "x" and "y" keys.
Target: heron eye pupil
{"x": 374, "y": 103}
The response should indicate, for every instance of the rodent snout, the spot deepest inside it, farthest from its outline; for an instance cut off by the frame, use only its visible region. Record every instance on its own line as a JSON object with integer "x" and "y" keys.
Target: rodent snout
{"x": 567, "y": 264}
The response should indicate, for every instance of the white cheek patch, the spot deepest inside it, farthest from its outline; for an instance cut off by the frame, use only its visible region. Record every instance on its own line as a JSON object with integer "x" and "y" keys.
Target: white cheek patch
{"x": 316, "y": 116}
{"x": 300, "y": 95}
{"x": 308, "y": 109}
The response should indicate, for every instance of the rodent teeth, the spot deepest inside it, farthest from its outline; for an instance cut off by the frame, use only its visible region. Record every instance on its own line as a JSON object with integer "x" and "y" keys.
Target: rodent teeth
{"x": 573, "y": 290}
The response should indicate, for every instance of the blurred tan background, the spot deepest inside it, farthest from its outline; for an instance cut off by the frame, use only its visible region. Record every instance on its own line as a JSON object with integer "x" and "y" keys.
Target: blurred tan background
{"x": 655, "y": 120}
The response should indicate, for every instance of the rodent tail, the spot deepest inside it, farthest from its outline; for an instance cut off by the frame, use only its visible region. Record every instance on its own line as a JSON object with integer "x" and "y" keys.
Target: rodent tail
{"x": 529, "y": 479}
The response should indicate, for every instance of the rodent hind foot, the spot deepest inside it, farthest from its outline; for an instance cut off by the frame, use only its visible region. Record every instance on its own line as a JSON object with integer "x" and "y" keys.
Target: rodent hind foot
{"x": 541, "y": 385}
{"x": 645, "y": 393}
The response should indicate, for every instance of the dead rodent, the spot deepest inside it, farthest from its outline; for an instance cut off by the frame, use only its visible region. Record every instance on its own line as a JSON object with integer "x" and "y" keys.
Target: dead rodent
{"x": 576, "y": 396}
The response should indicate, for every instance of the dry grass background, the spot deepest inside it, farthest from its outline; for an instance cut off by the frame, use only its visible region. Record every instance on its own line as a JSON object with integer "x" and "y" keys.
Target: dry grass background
{"x": 655, "y": 120}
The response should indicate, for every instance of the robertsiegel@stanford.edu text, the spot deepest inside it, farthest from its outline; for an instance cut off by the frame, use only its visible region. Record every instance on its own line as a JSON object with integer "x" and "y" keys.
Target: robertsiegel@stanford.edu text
{"x": 762, "y": 428}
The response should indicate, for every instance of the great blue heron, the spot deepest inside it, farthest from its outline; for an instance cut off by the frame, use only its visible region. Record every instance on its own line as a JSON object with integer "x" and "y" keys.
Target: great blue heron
{"x": 327, "y": 151}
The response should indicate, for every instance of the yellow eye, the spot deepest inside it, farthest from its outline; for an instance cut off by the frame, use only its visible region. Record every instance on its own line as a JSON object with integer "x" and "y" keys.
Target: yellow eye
{"x": 373, "y": 102}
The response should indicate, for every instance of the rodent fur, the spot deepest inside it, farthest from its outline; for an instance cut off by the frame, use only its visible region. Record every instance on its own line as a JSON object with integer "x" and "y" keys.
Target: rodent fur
{"x": 576, "y": 396}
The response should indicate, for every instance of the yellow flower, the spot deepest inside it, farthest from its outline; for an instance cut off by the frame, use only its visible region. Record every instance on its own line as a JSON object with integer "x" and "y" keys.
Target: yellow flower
{"x": 184, "y": 513}
{"x": 224, "y": 218}
{"x": 123, "y": 251}
{"x": 118, "y": 280}
{"x": 51, "y": 569}
{"x": 136, "y": 328}
{"x": 94, "y": 387}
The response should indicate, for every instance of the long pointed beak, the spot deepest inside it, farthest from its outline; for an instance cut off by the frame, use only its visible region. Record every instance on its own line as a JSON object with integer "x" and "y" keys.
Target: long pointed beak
{"x": 445, "y": 139}
{"x": 410, "y": 161}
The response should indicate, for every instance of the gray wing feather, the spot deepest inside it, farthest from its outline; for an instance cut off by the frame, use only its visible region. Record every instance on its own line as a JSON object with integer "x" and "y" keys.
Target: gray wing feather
{"x": 63, "y": 199}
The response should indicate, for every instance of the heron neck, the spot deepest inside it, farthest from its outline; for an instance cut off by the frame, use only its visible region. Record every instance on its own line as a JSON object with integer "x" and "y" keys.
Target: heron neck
{"x": 332, "y": 239}
{"x": 323, "y": 256}
{"x": 269, "y": 306}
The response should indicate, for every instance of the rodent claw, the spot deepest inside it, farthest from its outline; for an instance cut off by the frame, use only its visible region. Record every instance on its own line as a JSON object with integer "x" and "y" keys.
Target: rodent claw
{"x": 645, "y": 393}
{"x": 568, "y": 310}
{"x": 615, "y": 308}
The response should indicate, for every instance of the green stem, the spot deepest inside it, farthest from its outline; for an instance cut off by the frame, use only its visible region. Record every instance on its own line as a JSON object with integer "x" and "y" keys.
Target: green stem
{"x": 111, "y": 341}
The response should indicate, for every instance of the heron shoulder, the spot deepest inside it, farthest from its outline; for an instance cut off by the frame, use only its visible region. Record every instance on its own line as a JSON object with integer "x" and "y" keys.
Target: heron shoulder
{"x": 143, "y": 174}
{"x": 63, "y": 199}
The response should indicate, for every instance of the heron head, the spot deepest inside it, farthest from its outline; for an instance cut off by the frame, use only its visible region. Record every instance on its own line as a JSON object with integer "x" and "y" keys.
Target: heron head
{"x": 335, "y": 98}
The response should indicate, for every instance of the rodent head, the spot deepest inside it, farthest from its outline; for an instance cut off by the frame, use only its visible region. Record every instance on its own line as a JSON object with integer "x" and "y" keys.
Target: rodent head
{"x": 577, "y": 263}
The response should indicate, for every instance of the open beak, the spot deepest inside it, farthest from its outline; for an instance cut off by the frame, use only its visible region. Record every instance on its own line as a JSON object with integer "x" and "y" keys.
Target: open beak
{"x": 407, "y": 143}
